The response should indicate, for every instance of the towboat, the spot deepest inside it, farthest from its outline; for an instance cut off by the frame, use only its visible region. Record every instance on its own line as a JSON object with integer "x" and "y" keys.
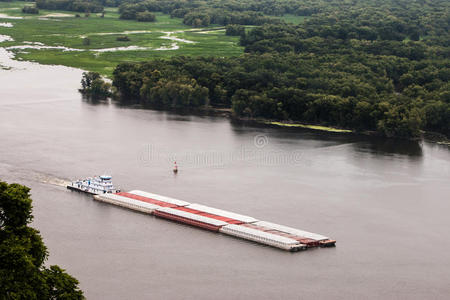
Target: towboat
{"x": 96, "y": 185}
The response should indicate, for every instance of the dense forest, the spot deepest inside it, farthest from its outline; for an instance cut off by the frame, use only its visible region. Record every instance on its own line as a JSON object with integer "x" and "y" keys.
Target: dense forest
{"x": 373, "y": 65}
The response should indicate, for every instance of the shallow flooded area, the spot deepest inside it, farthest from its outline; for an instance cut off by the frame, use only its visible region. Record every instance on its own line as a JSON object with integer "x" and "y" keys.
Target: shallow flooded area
{"x": 386, "y": 202}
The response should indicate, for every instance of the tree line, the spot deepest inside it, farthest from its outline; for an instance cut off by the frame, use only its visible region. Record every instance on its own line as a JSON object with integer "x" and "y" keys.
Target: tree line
{"x": 91, "y": 6}
{"x": 196, "y": 14}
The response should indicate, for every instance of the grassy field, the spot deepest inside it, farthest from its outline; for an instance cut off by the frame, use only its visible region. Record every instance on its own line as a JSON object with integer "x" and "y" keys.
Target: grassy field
{"x": 63, "y": 29}
{"x": 288, "y": 18}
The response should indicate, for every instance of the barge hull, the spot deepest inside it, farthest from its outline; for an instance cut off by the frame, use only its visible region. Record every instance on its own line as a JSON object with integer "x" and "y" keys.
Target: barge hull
{"x": 187, "y": 221}
{"x": 74, "y": 188}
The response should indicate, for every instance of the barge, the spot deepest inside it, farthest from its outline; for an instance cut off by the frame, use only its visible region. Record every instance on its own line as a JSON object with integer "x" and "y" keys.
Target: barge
{"x": 217, "y": 220}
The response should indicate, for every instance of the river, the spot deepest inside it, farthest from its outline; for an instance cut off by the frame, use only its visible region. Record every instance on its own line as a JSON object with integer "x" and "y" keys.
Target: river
{"x": 386, "y": 202}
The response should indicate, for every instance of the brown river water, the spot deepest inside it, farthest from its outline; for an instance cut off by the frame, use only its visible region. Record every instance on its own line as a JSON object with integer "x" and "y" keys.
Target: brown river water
{"x": 386, "y": 202}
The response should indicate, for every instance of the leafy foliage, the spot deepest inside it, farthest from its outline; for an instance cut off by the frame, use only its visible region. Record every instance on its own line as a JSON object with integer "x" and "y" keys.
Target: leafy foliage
{"x": 30, "y": 9}
{"x": 145, "y": 16}
{"x": 94, "y": 87}
{"x": 233, "y": 29}
{"x": 22, "y": 253}
{"x": 71, "y": 5}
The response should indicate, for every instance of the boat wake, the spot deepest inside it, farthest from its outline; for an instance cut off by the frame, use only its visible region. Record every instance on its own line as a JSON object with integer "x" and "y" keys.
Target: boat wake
{"x": 12, "y": 174}
{"x": 52, "y": 180}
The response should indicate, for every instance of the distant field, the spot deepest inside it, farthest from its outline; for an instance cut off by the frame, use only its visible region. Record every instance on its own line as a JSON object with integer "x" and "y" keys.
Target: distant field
{"x": 61, "y": 29}
{"x": 288, "y": 18}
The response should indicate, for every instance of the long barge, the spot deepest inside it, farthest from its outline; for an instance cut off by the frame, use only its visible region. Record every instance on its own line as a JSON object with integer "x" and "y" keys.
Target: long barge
{"x": 217, "y": 220}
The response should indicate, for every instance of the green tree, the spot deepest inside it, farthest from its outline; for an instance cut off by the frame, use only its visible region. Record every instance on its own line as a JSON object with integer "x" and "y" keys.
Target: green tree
{"x": 30, "y": 9}
{"x": 145, "y": 16}
{"x": 94, "y": 87}
{"x": 23, "y": 253}
{"x": 233, "y": 29}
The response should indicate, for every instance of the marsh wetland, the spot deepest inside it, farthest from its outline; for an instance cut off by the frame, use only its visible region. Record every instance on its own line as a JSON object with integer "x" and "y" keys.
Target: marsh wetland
{"x": 56, "y": 38}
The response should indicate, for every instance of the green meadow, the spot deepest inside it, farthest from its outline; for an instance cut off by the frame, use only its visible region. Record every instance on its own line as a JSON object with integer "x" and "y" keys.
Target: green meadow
{"x": 63, "y": 29}
{"x": 289, "y": 18}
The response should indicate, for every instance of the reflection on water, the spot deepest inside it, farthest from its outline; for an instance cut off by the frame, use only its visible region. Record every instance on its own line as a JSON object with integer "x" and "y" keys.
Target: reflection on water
{"x": 94, "y": 101}
{"x": 361, "y": 143}
{"x": 384, "y": 146}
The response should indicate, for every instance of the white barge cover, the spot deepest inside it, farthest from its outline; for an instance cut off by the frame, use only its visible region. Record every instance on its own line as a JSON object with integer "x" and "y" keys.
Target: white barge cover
{"x": 262, "y": 237}
{"x": 222, "y": 213}
{"x": 116, "y": 199}
{"x": 191, "y": 216}
{"x": 291, "y": 230}
{"x": 159, "y": 198}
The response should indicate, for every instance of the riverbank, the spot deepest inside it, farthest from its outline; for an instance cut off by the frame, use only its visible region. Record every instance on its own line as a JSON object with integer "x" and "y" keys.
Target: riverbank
{"x": 435, "y": 137}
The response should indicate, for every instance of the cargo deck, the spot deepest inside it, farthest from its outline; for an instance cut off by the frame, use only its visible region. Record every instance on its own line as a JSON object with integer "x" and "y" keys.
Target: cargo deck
{"x": 217, "y": 220}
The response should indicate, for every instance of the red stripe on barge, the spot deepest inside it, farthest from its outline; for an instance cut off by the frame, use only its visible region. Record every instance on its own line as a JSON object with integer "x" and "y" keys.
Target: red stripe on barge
{"x": 148, "y": 200}
{"x": 186, "y": 221}
{"x": 212, "y": 216}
